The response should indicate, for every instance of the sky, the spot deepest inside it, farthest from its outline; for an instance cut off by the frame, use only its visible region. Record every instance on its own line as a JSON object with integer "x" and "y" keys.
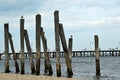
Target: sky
{"x": 80, "y": 18}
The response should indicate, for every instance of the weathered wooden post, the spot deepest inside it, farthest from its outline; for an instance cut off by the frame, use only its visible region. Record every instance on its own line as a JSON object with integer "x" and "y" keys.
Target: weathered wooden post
{"x": 38, "y": 56}
{"x": 13, "y": 51}
{"x": 97, "y": 58}
{"x": 70, "y": 43}
{"x": 0, "y": 56}
{"x": 30, "y": 56}
{"x": 66, "y": 52}
{"x": 57, "y": 43}
{"x": 22, "y": 44}
{"x": 47, "y": 62}
{"x": 6, "y": 30}
{"x": 45, "y": 50}
{"x": 119, "y": 53}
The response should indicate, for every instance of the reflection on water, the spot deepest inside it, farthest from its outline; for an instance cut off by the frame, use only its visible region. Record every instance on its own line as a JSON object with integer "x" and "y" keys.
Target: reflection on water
{"x": 83, "y": 67}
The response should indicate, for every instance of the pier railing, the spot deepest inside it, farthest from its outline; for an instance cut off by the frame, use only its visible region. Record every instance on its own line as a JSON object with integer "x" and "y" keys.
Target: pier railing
{"x": 52, "y": 54}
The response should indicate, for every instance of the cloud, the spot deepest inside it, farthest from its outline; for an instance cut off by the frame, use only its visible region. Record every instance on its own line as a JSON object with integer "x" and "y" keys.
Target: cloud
{"x": 79, "y": 12}
{"x": 64, "y": 4}
{"x": 82, "y": 18}
{"x": 93, "y": 23}
{"x": 109, "y": 20}
{"x": 12, "y": 7}
{"x": 101, "y": 3}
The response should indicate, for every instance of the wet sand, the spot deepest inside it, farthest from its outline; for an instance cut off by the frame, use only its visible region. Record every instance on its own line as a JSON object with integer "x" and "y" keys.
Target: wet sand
{"x": 4, "y": 76}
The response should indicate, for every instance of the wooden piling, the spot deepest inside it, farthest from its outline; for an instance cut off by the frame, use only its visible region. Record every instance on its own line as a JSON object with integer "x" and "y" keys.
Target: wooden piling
{"x": 30, "y": 56}
{"x": 45, "y": 50}
{"x": 70, "y": 43}
{"x": 13, "y": 52}
{"x": 57, "y": 43}
{"x": 0, "y": 57}
{"x": 47, "y": 62}
{"x": 22, "y": 44}
{"x": 66, "y": 52}
{"x": 38, "y": 25}
{"x": 119, "y": 53}
{"x": 6, "y": 30}
{"x": 97, "y": 55}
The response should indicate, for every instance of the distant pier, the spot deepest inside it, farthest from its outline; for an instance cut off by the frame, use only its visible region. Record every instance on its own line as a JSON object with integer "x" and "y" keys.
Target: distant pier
{"x": 52, "y": 54}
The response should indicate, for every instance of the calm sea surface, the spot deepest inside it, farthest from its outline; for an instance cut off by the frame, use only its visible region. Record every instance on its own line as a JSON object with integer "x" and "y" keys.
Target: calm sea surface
{"x": 83, "y": 67}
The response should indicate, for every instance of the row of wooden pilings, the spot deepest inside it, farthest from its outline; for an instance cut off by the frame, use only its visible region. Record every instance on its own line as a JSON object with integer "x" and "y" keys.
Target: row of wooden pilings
{"x": 35, "y": 68}
{"x": 59, "y": 35}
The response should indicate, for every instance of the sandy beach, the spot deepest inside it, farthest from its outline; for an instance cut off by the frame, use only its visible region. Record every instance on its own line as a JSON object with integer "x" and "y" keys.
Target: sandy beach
{"x": 4, "y": 76}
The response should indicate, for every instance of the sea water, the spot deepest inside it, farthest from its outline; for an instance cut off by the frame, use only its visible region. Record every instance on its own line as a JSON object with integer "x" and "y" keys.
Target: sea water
{"x": 83, "y": 67}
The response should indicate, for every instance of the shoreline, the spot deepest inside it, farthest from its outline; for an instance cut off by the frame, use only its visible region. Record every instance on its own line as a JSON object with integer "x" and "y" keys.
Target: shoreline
{"x": 9, "y": 76}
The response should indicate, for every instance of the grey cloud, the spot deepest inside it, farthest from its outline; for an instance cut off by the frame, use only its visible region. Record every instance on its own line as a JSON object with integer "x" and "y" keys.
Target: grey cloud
{"x": 19, "y": 6}
{"x": 100, "y": 3}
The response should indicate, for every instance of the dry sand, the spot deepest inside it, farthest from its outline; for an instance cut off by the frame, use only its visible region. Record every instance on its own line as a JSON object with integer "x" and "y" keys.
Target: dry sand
{"x": 4, "y": 76}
